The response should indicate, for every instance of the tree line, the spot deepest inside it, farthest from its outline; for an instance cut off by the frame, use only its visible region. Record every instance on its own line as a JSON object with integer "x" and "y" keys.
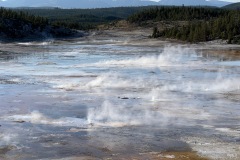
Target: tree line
{"x": 201, "y": 23}
{"x": 82, "y": 19}
{"x": 22, "y": 16}
{"x": 177, "y": 14}
{"x": 21, "y": 25}
{"x": 225, "y": 27}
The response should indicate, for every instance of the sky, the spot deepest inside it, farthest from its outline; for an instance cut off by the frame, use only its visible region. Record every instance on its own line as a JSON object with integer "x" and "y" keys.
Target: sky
{"x": 221, "y": 0}
{"x": 159, "y": 0}
{"x": 231, "y": 1}
{"x": 104, "y": 3}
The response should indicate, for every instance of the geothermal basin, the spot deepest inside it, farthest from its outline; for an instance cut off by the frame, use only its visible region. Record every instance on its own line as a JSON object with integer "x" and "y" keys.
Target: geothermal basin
{"x": 118, "y": 99}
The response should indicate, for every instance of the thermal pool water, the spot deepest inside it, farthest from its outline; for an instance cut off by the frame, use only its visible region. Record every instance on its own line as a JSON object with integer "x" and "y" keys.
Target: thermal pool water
{"x": 104, "y": 99}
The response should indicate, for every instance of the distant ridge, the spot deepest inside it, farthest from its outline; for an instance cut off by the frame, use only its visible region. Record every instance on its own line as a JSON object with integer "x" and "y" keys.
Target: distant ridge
{"x": 233, "y": 6}
{"x": 108, "y": 3}
{"x": 216, "y": 3}
{"x": 43, "y": 7}
{"x": 219, "y": 3}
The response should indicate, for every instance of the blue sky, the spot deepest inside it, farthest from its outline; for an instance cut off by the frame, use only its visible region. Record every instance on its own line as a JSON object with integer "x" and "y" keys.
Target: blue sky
{"x": 99, "y": 4}
{"x": 159, "y": 0}
{"x": 221, "y": 0}
{"x": 232, "y": 0}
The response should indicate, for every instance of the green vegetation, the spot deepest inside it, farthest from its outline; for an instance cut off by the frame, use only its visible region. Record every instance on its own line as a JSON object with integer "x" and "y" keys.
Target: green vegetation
{"x": 234, "y": 6}
{"x": 225, "y": 27}
{"x": 176, "y": 14}
{"x": 20, "y": 25}
{"x": 24, "y": 23}
{"x": 82, "y": 19}
{"x": 192, "y": 24}
{"x": 14, "y": 25}
{"x": 7, "y": 14}
{"x": 200, "y": 24}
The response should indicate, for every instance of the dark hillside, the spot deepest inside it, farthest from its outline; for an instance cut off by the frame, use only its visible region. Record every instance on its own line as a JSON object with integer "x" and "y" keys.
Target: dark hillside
{"x": 234, "y": 6}
{"x": 83, "y": 19}
{"x": 177, "y": 14}
{"x": 21, "y": 26}
{"x": 198, "y": 24}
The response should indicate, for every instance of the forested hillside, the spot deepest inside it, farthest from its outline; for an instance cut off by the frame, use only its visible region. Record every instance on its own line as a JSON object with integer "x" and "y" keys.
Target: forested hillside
{"x": 177, "y": 14}
{"x": 200, "y": 24}
{"x": 225, "y": 27}
{"x": 192, "y": 24}
{"x": 83, "y": 19}
{"x": 235, "y": 6}
{"x": 19, "y": 25}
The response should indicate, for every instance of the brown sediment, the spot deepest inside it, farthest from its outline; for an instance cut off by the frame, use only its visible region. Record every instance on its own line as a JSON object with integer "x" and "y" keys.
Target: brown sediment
{"x": 105, "y": 149}
{"x": 188, "y": 155}
{"x": 227, "y": 53}
{"x": 145, "y": 156}
{"x": 181, "y": 156}
{"x": 5, "y": 150}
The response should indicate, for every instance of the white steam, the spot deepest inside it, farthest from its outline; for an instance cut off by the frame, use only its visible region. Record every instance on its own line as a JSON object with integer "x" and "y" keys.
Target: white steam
{"x": 38, "y": 118}
{"x": 210, "y": 86}
{"x": 7, "y": 139}
{"x": 155, "y": 92}
{"x": 171, "y": 56}
{"x": 112, "y": 80}
{"x": 115, "y": 115}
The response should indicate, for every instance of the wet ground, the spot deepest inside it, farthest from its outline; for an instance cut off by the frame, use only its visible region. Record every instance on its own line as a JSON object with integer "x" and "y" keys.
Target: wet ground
{"x": 118, "y": 98}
